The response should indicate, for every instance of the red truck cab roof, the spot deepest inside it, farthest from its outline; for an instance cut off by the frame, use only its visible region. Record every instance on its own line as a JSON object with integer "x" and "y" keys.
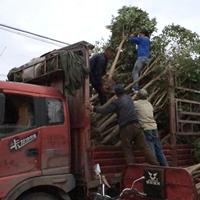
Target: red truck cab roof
{"x": 30, "y": 89}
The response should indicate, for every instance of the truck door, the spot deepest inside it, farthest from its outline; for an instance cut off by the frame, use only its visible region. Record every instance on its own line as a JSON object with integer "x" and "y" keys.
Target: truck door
{"x": 55, "y": 142}
{"x": 19, "y": 142}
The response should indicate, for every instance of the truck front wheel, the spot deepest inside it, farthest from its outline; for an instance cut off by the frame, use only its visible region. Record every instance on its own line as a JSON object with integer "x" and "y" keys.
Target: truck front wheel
{"x": 39, "y": 196}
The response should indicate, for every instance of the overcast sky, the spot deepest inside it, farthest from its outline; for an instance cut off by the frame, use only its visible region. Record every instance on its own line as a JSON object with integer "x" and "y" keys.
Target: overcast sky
{"x": 74, "y": 20}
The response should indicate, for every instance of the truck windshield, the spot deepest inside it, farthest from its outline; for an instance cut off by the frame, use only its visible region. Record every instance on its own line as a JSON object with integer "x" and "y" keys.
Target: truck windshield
{"x": 19, "y": 114}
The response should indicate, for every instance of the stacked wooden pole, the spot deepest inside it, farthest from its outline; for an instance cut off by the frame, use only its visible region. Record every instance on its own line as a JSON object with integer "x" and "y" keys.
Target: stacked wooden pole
{"x": 194, "y": 170}
{"x": 104, "y": 127}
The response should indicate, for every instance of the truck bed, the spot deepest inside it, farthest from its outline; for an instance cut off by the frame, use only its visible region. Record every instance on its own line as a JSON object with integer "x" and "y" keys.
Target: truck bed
{"x": 112, "y": 161}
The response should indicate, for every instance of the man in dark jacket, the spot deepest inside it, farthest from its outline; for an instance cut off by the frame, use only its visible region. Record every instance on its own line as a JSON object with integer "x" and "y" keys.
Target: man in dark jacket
{"x": 98, "y": 65}
{"x": 130, "y": 132}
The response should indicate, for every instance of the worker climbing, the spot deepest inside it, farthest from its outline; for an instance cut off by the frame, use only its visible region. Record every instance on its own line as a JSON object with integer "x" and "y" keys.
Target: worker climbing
{"x": 98, "y": 66}
{"x": 143, "y": 52}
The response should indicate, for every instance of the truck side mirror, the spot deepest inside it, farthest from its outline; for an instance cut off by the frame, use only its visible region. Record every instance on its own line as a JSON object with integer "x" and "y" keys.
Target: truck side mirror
{"x": 2, "y": 107}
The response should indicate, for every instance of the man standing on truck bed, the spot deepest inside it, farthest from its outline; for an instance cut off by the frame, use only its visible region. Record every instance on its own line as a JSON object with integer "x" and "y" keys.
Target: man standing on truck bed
{"x": 144, "y": 110}
{"x": 98, "y": 65}
{"x": 130, "y": 132}
{"x": 143, "y": 52}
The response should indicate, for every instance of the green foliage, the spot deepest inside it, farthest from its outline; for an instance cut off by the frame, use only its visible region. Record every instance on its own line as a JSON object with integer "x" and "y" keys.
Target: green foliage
{"x": 179, "y": 40}
{"x": 129, "y": 20}
{"x": 182, "y": 47}
{"x": 100, "y": 46}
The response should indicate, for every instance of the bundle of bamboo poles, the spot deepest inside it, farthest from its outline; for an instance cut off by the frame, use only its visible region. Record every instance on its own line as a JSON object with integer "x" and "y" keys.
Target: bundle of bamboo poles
{"x": 105, "y": 129}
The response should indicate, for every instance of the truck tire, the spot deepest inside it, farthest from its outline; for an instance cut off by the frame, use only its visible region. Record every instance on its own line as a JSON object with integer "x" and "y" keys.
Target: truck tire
{"x": 39, "y": 196}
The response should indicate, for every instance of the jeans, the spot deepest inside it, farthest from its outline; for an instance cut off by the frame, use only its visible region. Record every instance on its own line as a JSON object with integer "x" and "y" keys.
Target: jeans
{"x": 139, "y": 65}
{"x": 153, "y": 141}
{"x": 131, "y": 135}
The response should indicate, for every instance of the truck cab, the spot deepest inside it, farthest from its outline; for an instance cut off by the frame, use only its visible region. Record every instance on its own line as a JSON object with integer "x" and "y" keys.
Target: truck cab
{"x": 34, "y": 138}
{"x": 43, "y": 130}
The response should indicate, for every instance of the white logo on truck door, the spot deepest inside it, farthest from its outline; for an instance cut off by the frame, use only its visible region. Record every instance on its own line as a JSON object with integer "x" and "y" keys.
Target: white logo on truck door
{"x": 16, "y": 143}
{"x": 153, "y": 179}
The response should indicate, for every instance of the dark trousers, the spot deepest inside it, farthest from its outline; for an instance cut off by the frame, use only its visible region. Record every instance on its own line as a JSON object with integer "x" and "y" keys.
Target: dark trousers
{"x": 130, "y": 135}
{"x": 153, "y": 141}
{"x": 101, "y": 94}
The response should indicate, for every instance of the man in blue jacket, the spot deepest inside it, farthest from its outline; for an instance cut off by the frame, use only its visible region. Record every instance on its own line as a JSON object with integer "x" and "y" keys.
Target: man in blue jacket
{"x": 98, "y": 65}
{"x": 143, "y": 52}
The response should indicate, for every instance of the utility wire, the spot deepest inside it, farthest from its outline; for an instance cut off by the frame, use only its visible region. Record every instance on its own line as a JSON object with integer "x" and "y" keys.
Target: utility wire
{"x": 32, "y": 37}
{"x": 18, "y": 31}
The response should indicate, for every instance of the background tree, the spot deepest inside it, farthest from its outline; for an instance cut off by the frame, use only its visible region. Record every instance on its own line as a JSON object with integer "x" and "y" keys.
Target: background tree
{"x": 182, "y": 47}
{"x": 129, "y": 20}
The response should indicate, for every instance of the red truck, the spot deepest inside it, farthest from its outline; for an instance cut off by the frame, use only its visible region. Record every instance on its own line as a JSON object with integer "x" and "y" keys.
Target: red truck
{"x": 45, "y": 147}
